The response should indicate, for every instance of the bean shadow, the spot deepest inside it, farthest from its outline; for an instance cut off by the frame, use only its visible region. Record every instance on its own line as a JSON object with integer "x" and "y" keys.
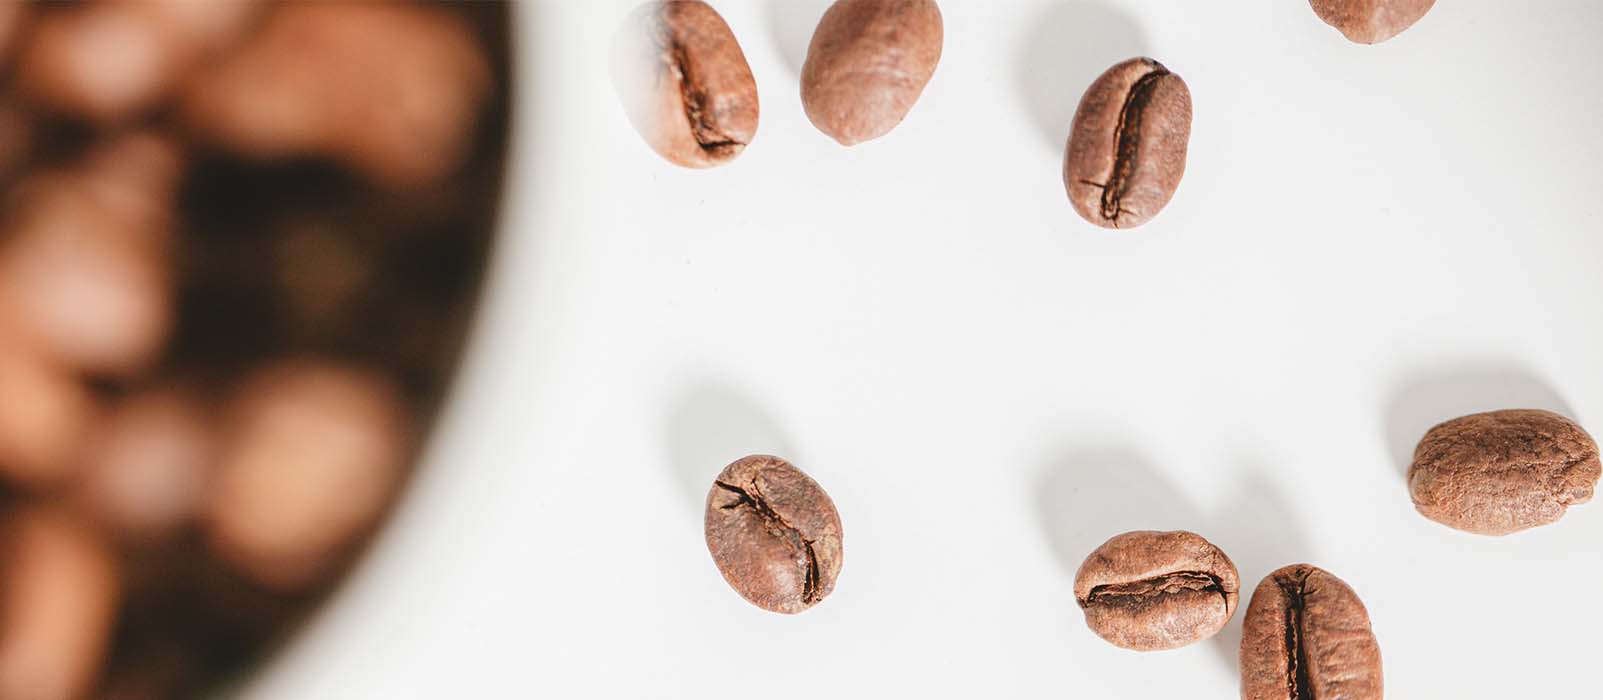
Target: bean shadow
{"x": 1258, "y": 529}
{"x": 709, "y": 425}
{"x": 1068, "y": 46}
{"x": 1430, "y": 399}
{"x": 1084, "y": 498}
{"x": 791, "y": 24}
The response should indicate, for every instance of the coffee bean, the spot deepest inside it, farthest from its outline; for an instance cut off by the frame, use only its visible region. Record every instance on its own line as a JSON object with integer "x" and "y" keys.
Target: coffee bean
{"x": 685, "y": 84}
{"x": 1127, "y": 150}
{"x": 774, "y": 534}
{"x": 310, "y": 455}
{"x": 1150, "y": 591}
{"x": 868, "y": 63}
{"x": 1307, "y": 637}
{"x": 58, "y": 598}
{"x": 1504, "y": 471}
{"x": 1371, "y": 21}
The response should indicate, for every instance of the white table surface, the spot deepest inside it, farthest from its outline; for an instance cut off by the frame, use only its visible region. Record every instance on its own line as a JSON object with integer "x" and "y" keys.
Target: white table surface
{"x": 1368, "y": 240}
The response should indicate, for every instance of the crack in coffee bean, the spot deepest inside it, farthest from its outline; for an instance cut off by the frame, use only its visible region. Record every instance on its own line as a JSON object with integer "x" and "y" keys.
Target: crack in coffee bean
{"x": 695, "y": 97}
{"x": 1294, "y": 588}
{"x": 1127, "y": 141}
{"x": 1166, "y": 584}
{"x": 779, "y": 527}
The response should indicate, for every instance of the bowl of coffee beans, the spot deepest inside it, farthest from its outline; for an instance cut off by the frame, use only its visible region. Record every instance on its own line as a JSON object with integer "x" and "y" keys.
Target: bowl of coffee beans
{"x": 240, "y": 247}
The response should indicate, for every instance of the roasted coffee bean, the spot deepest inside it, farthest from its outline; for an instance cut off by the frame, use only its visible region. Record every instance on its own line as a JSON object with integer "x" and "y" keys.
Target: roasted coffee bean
{"x": 685, "y": 84}
{"x": 58, "y": 598}
{"x": 1150, "y": 591}
{"x": 1504, "y": 471}
{"x": 774, "y": 534}
{"x": 393, "y": 91}
{"x": 1307, "y": 637}
{"x": 1371, "y": 21}
{"x": 1127, "y": 150}
{"x": 868, "y": 63}
{"x": 311, "y": 453}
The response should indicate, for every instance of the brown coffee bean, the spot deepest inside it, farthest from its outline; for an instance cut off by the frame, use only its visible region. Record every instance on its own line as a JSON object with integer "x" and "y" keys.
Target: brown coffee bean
{"x": 774, "y": 534}
{"x": 86, "y": 271}
{"x": 1307, "y": 637}
{"x": 1127, "y": 149}
{"x": 148, "y": 462}
{"x": 868, "y": 63}
{"x": 1371, "y": 21}
{"x": 1504, "y": 471}
{"x": 311, "y": 453}
{"x": 44, "y": 413}
{"x": 1151, "y": 591}
{"x": 685, "y": 84}
{"x": 58, "y": 604}
{"x": 108, "y": 61}
{"x": 392, "y": 90}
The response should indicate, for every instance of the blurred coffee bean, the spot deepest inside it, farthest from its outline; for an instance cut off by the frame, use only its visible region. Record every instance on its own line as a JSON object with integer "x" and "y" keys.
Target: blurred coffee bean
{"x": 58, "y": 603}
{"x": 85, "y": 268}
{"x": 311, "y": 453}
{"x": 44, "y": 413}
{"x": 11, "y": 16}
{"x": 109, "y": 61}
{"x": 147, "y": 466}
{"x": 393, "y": 91}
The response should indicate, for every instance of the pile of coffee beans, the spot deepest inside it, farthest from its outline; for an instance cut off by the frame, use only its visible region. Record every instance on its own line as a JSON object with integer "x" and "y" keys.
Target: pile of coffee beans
{"x": 776, "y": 536}
{"x": 239, "y": 246}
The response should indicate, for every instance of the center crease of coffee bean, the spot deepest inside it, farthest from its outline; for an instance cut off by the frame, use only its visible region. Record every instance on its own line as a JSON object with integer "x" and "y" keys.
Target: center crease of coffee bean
{"x": 1295, "y": 590}
{"x": 1168, "y": 584}
{"x": 1127, "y": 142}
{"x": 705, "y": 132}
{"x": 752, "y": 497}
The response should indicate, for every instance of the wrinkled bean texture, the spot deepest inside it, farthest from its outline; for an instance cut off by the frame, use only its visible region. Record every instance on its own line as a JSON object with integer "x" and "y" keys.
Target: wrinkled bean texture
{"x": 1307, "y": 637}
{"x": 1504, "y": 471}
{"x": 685, "y": 84}
{"x": 1151, "y": 591}
{"x": 774, "y": 534}
{"x": 867, "y": 65}
{"x": 1127, "y": 148}
{"x": 1371, "y": 21}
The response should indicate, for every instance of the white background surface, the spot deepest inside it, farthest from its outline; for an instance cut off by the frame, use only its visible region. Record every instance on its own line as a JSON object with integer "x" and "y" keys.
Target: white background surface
{"x": 1368, "y": 240}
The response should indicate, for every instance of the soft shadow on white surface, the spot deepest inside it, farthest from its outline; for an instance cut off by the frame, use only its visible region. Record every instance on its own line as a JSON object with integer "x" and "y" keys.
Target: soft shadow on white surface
{"x": 1069, "y": 45}
{"x": 1432, "y": 398}
{"x": 1260, "y": 532}
{"x": 791, "y": 24}
{"x": 708, "y": 426}
{"x": 1085, "y": 498}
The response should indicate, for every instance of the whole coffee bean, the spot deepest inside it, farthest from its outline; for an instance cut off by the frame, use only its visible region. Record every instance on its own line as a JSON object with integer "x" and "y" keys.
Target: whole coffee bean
{"x": 868, "y": 63}
{"x": 774, "y": 534}
{"x": 685, "y": 84}
{"x": 1127, "y": 149}
{"x": 1371, "y": 21}
{"x": 310, "y": 454}
{"x": 1504, "y": 471}
{"x": 1150, "y": 591}
{"x": 59, "y": 592}
{"x": 1307, "y": 637}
